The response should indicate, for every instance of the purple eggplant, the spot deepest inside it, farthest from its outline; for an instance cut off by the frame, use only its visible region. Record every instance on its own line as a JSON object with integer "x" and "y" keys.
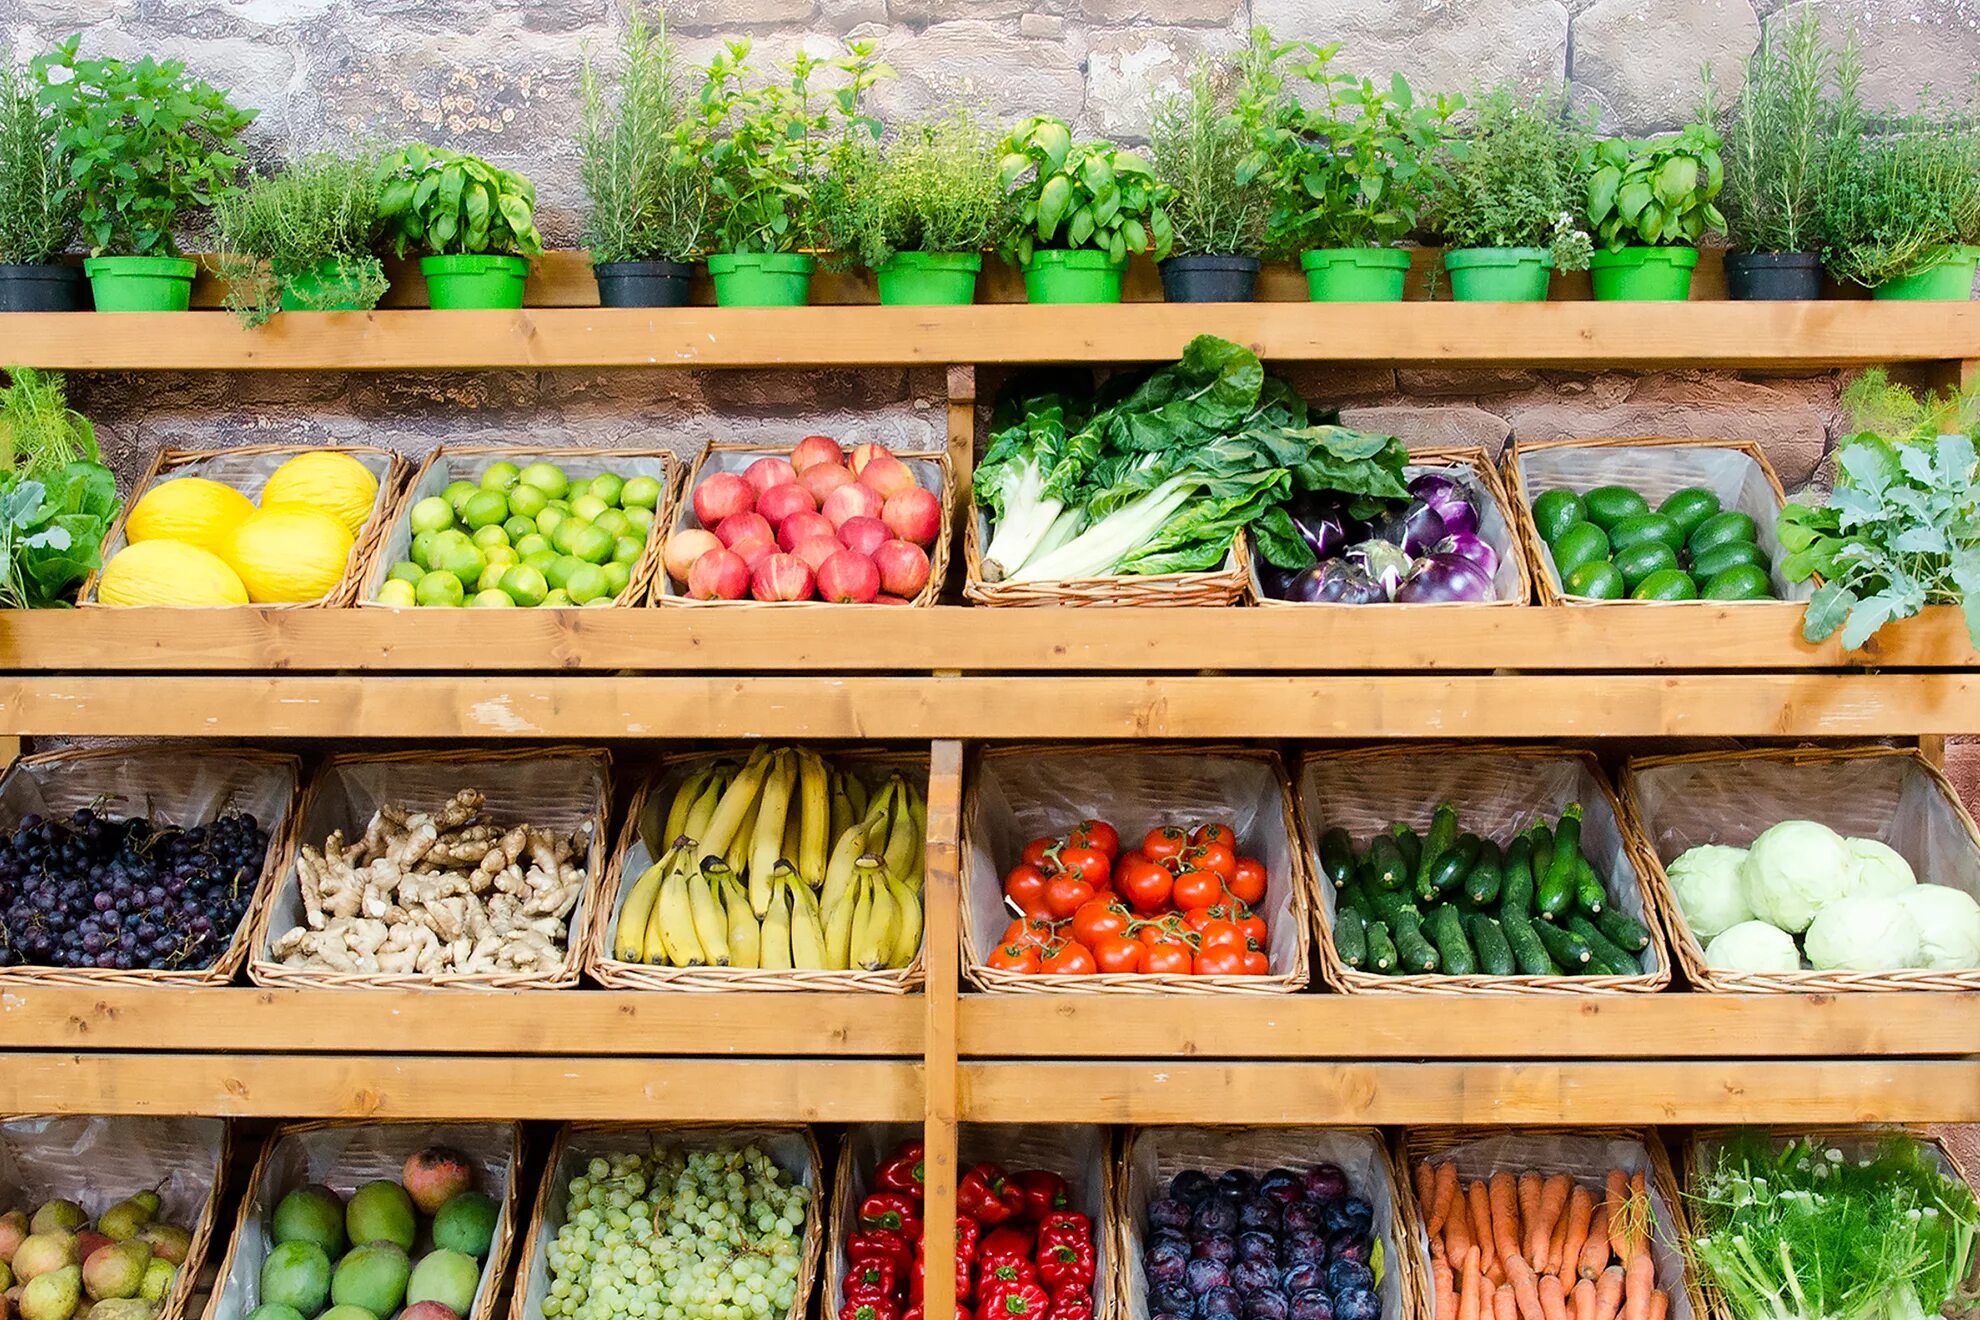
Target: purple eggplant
{"x": 1385, "y": 565}
{"x": 1458, "y": 518}
{"x": 1336, "y": 582}
{"x": 1322, "y": 523}
{"x": 1448, "y": 498}
{"x": 1439, "y": 579}
{"x": 1470, "y": 545}
{"x": 1415, "y": 528}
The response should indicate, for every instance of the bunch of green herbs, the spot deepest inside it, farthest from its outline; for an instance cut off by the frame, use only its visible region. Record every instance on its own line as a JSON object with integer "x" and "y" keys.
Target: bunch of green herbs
{"x": 1905, "y": 198}
{"x": 931, "y": 186}
{"x": 1792, "y": 127}
{"x": 1199, "y": 145}
{"x": 637, "y": 154}
{"x": 1514, "y": 177}
{"x": 56, "y": 497}
{"x": 37, "y": 211}
{"x": 310, "y": 231}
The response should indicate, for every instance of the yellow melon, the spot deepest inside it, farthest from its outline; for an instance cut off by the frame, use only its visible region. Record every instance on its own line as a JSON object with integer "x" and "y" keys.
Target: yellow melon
{"x": 287, "y": 553}
{"x": 325, "y": 479}
{"x": 190, "y": 509}
{"x": 168, "y": 573}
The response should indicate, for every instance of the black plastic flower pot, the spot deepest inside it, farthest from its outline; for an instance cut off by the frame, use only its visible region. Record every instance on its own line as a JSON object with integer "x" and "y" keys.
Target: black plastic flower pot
{"x": 1210, "y": 279}
{"x": 1774, "y": 276}
{"x": 43, "y": 289}
{"x": 644, "y": 283}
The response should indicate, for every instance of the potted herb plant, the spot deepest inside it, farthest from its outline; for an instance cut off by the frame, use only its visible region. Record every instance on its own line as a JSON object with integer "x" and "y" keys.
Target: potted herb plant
{"x": 918, "y": 209}
{"x": 476, "y": 223}
{"x": 303, "y": 239}
{"x": 767, "y": 148}
{"x": 1201, "y": 148}
{"x": 57, "y": 499}
{"x": 649, "y": 196}
{"x": 1649, "y": 202}
{"x": 1085, "y": 207}
{"x": 37, "y": 212}
{"x": 146, "y": 142}
{"x": 1795, "y": 117}
{"x": 1903, "y": 208}
{"x": 1508, "y": 204}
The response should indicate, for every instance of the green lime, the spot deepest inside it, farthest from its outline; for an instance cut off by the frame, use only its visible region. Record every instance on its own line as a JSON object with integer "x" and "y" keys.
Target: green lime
{"x": 627, "y": 550}
{"x": 639, "y": 517}
{"x": 1556, "y": 511}
{"x": 562, "y": 505}
{"x": 492, "y": 599}
{"x": 608, "y": 486}
{"x": 491, "y": 577}
{"x": 618, "y": 577}
{"x": 500, "y": 475}
{"x": 490, "y": 536}
{"x": 541, "y": 560}
{"x": 1714, "y": 560}
{"x": 527, "y": 501}
{"x": 439, "y": 589}
{"x": 422, "y": 548}
{"x": 640, "y": 493}
{"x": 549, "y": 519}
{"x": 591, "y": 544}
{"x": 566, "y": 534}
{"x": 459, "y": 556}
{"x": 457, "y": 493}
{"x": 556, "y": 596}
{"x": 525, "y": 585}
{"x": 560, "y": 570}
{"x": 613, "y": 522}
{"x": 1580, "y": 544}
{"x": 604, "y": 602}
{"x": 1646, "y": 527}
{"x": 501, "y": 554}
{"x": 1732, "y": 525}
{"x": 1666, "y": 584}
{"x": 1609, "y": 505}
{"x": 529, "y": 545}
{"x": 405, "y": 571}
{"x": 586, "y": 583}
{"x": 397, "y": 591}
{"x": 577, "y": 489}
{"x": 546, "y": 477}
{"x": 1740, "y": 582}
{"x": 484, "y": 508}
{"x": 1689, "y": 507}
{"x": 588, "y": 507}
{"x": 432, "y": 514}
{"x": 517, "y": 527}
{"x": 1643, "y": 560}
{"x": 1597, "y": 579}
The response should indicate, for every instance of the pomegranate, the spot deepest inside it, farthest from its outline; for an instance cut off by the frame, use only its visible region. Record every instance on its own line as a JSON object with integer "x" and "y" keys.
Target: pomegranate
{"x": 802, "y": 527}
{"x": 848, "y": 577}
{"x": 903, "y": 568}
{"x": 864, "y": 534}
{"x": 780, "y": 502}
{"x": 888, "y": 475}
{"x": 854, "y": 501}
{"x": 781, "y": 577}
{"x": 744, "y": 527}
{"x": 817, "y": 550}
{"x": 722, "y": 496}
{"x": 821, "y": 479}
{"x": 719, "y": 575}
{"x": 913, "y": 515}
{"x": 686, "y": 546}
{"x": 754, "y": 550}
{"x": 765, "y": 473}
{"x": 814, "y": 450}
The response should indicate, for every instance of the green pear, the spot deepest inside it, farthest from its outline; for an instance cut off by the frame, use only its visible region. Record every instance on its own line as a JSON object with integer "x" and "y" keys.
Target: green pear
{"x": 167, "y": 1241}
{"x": 59, "y": 1217}
{"x": 122, "y": 1308}
{"x": 124, "y": 1220}
{"x": 116, "y": 1271}
{"x": 44, "y": 1253}
{"x": 158, "y": 1276}
{"x": 54, "y": 1295}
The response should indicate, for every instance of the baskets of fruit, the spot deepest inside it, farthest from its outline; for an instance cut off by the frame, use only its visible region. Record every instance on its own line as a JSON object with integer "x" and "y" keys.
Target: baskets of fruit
{"x": 813, "y": 848}
{"x": 188, "y": 839}
{"x": 815, "y": 525}
{"x": 1585, "y": 515}
{"x": 495, "y": 525}
{"x": 280, "y": 525}
{"x": 73, "y": 1248}
{"x": 347, "y": 1220}
{"x": 1151, "y": 870}
{"x": 467, "y": 869}
{"x": 1476, "y": 870}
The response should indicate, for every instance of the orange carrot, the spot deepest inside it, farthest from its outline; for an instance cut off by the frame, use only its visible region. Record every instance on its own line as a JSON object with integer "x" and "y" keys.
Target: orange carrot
{"x": 1526, "y": 1288}
{"x": 1503, "y": 1305}
{"x": 1553, "y": 1302}
{"x": 1497, "y": 1274}
{"x": 1426, "y": 1193}
{"x": 1660, "y": 1305}
{"x": 1609, "y": 1293}
{"x": 1481, "y": 1224}
{"x": 1581, "y": 1208}
{"x": 1457, "y": 1234}
{"x": 1639, "y": 1215}
{"x": 1471, "y": 1295}
{"x": 1540, "y": 1232}
{"x": 1444, "y": 1196}
{"x": 1446, "y": 1287}
{"x": 1583, "y": 1300}
{"x": 1529, "y": 1214}
{"x": 1557, "y": 1248}
{"x": 1616, "y": 1198}
{"x": 1639, "y": 1281}
{"x": 1504, "y": 1194}
{"x": 1595, "y": 1252}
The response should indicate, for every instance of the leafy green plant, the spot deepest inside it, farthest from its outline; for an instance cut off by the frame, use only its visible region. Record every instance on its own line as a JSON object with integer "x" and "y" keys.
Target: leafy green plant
{"x": 446, "y": 203}
{"x": 1905, "y": 197}
{"x": 1656, "y": 192}
{"x": 56, "y": 498}
{"x": 767, "y": 145}
{"x": 1514, "y": 177}
{"x": 1792, "y": 126}
{"x": 146, "y": 142}
{"x": 930, "y": 188}
{"x": 637, "y": 155}
{"x": 1199, "y": 145}
{"x": 319, "y": 213}
{"x": 1090, "y": 196}
{"x": 37, "y": 211}
{"x": 1901, "y": 529}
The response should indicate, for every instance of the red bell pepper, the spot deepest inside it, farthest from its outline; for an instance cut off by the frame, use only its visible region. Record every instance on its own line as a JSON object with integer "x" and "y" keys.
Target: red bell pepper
{"x": 1001, "y": 1275}
{"x": 1065, "y": 1226}
{"x": 1065, "y": 1262}
{"x": 1072, "y": 1304}
{"x": 896, "y": 1210}
{"x": 968, "y": 1231}
{"x": 987, "y": 1196}
{"x": 1044, "y": 1192}
{"x": 880, "y": 1244}
{"x": 914, "y": 1313}
{"x": 1006, "y": 1243}
{"x": 904, "y": 1172}
{"x": 917, "y": 1279}
{"x": 880, "y": 1308}
{"x": 874, "y": 1278}
{"x": 1023, "y": 1301}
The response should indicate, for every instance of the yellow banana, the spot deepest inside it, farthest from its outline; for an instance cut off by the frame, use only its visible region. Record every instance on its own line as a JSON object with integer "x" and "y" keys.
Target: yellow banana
{"x": 852, "y": 845}
{"x": 857, "y": 794}
{"x": 769, "y": 835}
{"x": 629, "y": 939}
{"x": 735, "y": 804}
{"x": 776, "y": 950}
{"x": 807, "y": 927}
{"x": 695, "y": 824}
{"x": 737, "y": 853}
{"x": 842, "y": 806}
{"x": 907, "y": 924}
{"x": 685, "y": 797}
{"x": 745, "y": 934}
{"x": 814, "y": 816}
{"x": 787, "y": 847}
{"x": 711, "y": 924}
{"x": 918, "y": 870}
{"x": 838, "y": 933}
{"x": 901, "y": 839}
{"x": 873, "y": 953}
{"x": 673, "y": 919}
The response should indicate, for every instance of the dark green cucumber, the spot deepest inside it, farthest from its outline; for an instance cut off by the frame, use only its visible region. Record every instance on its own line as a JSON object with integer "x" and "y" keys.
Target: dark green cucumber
{"x": 1387, "y": 905}
{"x": 1410, "y": 845}
{"x": 1354, "y": 898}
{"x": 1381, "y": 955}
{"x": 1489, "y": 939}
{"x": 1350, "y": 937}
{"x": 1386, "y": 858}
{"x": 1624, "y": 930}
{"x": 1414, "y": 953}
{"x": 1527, "y": 950}
{"x": 1590, "y": 894}
{"x": 1337, "y": 856}
{"x": 1565, "y": 947}
{"x": 1516, "y": 888}
{"x": 1450, "y": 869}
{"x": 1554, "y": 891}
{"x": 1445, "y": 927}
{"x": 1542, "y": 854}
{"x": 1442, "y": 835}
{"x": 1487, "y": 875}
{"x": 1604, "y": 949}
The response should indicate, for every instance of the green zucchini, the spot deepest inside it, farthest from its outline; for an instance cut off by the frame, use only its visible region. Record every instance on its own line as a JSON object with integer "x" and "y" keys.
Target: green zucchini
{"x": 1489, "y": 939}
{"x": 1359, "y": 899}
{"x": 1411, "y": 846}
{"x": 1381, "y": 955}
{"x": 1443, "y": 834}
{"x": 1543, "y": 853}
{"x": 1516, "y": 888}
{"x": 1590, "y": 894}
{"x": 1337, "y": 856}
{"x": 1565, "y": 947}
{"x": 1554, "y": 891}
{"x": 1487, "y": 875}
{"x": 1385, "y": 855}
{"x": 1414, "y": 953}
{"x": 1446, "y": 928}
{"x": 1450, "y": 869}
{"x": 1604, "y": 949}
{"x": 1350, "y": 938}
{"x": 1389, "y": 904}
{"x": 1527, "y": 951}
{"x": 1625, "y": 931}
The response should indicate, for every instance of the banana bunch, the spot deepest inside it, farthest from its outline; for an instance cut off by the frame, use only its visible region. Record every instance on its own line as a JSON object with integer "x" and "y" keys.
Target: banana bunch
{"x": 746, "y": 877}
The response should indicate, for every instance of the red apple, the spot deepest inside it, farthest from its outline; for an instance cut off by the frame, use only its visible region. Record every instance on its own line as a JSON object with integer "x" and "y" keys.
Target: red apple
{"x": 913, "y": 515}
{"x": 814, "y": 450}
{"x": 817, "y": 550}
{"x": 744, "y": 527}
{"x": 888, "y": 475}
{"x": 848, "y": 578}
{"x": 854, "y": 501}
{"x": 802, "y": 527}
{"x": 821, "y": 479}
{"x": 864, "y": 454}
{"x": 719, "y": 575}
{"x": 722, "y": 496}
{"x": 765, "y": 473}
{"x": 903, "y": 568}
{"x": 686, "y": 546}
{"x": 864, "y": 534}
{"x": 754, "y": 551}
{"x": 780, "y": 502}
{"x": 884, "y": 599}
{"x": 781, "y": 577}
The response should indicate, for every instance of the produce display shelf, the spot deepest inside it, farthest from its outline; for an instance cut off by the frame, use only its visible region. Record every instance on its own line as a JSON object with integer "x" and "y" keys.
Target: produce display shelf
{"x": 848, "y": 639}
{"x": 1577, "y": 335}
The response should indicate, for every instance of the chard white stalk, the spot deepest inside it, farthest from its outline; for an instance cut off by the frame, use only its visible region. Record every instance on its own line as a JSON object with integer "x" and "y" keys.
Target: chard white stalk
{"x": 1095, "y": 551}
{"x": 1028, "y": 515}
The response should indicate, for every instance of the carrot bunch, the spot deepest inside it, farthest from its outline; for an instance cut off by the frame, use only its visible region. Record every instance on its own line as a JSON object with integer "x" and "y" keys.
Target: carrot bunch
{"x": 1533, "y": 1247}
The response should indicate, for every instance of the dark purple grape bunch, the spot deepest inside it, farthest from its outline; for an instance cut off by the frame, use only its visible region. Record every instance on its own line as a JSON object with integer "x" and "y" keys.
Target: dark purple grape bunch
{"x": 1286, "y": 1245}
{"x": 90, "y": 890}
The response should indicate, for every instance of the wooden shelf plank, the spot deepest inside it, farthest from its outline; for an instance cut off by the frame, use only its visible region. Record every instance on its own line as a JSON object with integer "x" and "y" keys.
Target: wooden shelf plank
{"x": 1728, "y": 1091}
{"x": 444, "y": 1086}
{"x": 851, "y": 639}
{"x": 1374, "y": 706}
{"x": 1556, "y": 334}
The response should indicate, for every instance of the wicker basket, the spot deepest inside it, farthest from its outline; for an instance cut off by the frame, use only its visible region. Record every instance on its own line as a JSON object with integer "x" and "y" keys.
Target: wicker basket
{"x": 1019, "y": 793}
{"x": 1225, "y": 586}
{"x": 182, "y": 785}
{"x": 247, "y": 470}
{"x": 1154, "y": 1155}
{"x": 1737, "y": 470}
{"x": 1496, "y": 790}
{"x": 1512, "y": 584}
{"x": 1079, "y": 1153}
{"x": 630, "y": 858}
{"x": 344, "y": 1156}
{"x": 97, "y": 1161}
{"x": 931, "y": 469}
{"x": 1588, "y": 1153}
{"x": 451, "y": 463}
{"x": 1887, "y": 793}
{"x": 564, "y": 789}
{"x": 791, "y": 1147}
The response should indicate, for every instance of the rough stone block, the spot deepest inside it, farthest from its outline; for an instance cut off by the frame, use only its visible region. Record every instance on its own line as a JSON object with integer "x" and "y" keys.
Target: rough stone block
{"x": 1907, "y": 45}
{"x": 1433, "y": 428}
{"x": 1639, "y": 59}
{"x": 1160, "y": 11}
{"x": 1468, "y": 381}
{"x": 1439, "y": 45}
{"x": 983, "y": 62}
{"x": 1129, "y": 73}
{"x": 739, "y": 13}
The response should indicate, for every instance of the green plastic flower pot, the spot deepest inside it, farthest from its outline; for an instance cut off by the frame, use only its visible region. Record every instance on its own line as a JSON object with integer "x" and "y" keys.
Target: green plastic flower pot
{"x": 141, "y": 284}
{"x": 476, "y": 283}
{"x": 1499, "y": 274}
{"x": 1060, "y": 275}
{"x": 929, "y": 279}
{"x": 1950, "y": 280}
{"x": 1362, "y": 274}
{"x": 1643, "y": 274}
{"x": 761, "y": 279}
{"x": 332, "y": 286}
